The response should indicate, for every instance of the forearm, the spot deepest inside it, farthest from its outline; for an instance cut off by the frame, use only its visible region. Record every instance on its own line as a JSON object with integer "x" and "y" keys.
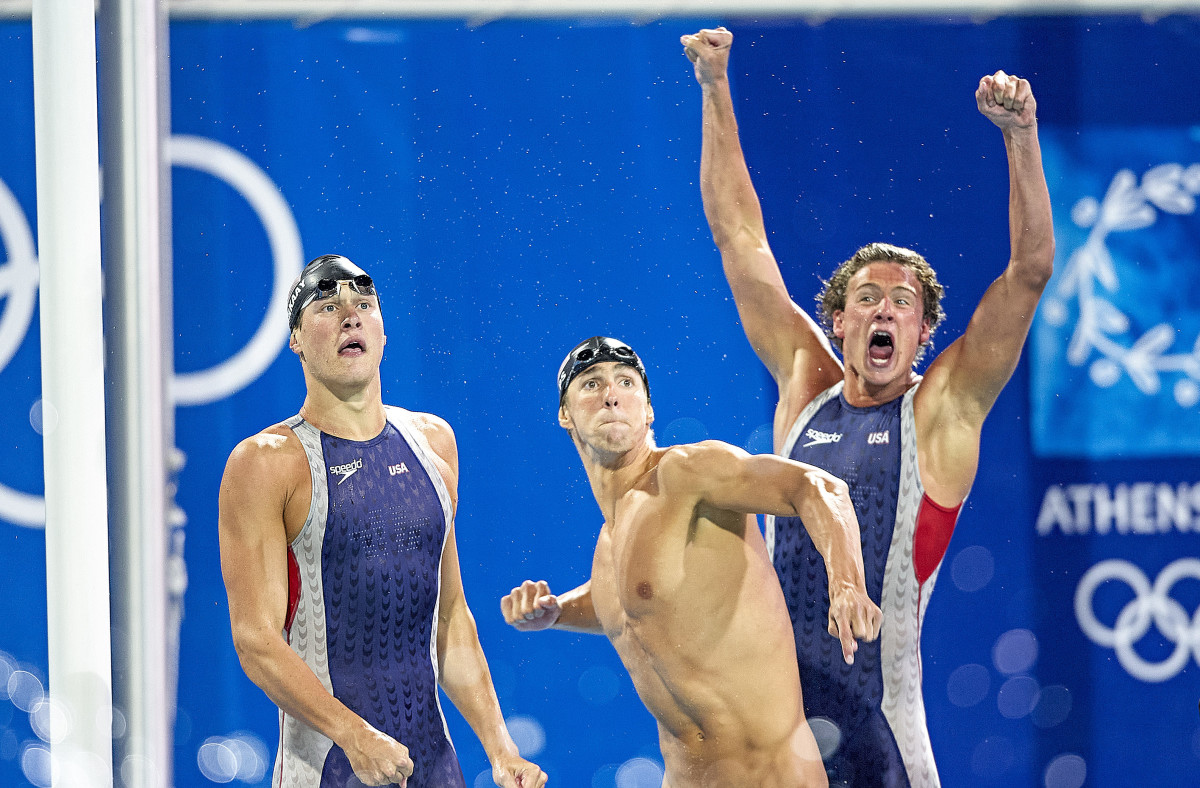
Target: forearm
{"x": 829, "y": 518}
{"x": 292, "y": 686}
{"x": 775, "y": 326}
{"x": 467, "y": 681}
{"x": 1031, "y": 225}
{"x": 577, "y": 613}
{"x": 730, "y": 203}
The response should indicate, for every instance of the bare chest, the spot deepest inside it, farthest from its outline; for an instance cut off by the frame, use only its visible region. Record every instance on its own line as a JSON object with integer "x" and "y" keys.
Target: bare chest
{"x": 637, "y": 569}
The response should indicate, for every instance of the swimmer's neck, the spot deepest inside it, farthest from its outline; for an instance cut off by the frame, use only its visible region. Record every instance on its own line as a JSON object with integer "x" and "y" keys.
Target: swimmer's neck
{"x": 612, "y": 476}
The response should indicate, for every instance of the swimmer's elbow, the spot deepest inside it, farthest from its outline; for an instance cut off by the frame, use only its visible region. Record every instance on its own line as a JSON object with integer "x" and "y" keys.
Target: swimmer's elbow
{"x": 825, "y": 489}
{"x": 255, "y": 651}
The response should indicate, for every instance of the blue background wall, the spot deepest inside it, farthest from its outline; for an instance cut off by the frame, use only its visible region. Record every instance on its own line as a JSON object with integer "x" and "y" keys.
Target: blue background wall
{"x": 520, "y": 185}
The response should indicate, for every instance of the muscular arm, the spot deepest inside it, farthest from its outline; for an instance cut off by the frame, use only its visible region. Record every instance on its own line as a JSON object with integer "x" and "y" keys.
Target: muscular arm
{"x": 964, "y": 382}
{"x": 530, "y": 607}
{"x": 462, "y": 668}
{"x": 786, "y": 339}
{"x": 260, "y": 482}
{"x": 727, "y": 478}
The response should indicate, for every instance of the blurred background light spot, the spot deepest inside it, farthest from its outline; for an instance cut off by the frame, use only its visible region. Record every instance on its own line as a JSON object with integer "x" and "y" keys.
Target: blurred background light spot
{"x": 968, "y": 685}
{"x": 529, "y": 735}
{"x": 239, "y": 756}
{"x": 639, "y": 773}
{"x": 1065, "y": 771}
{"x": 973, "y": 568}
{"x": 216, "y": 761}
{"x": 683, "y": 430}
{"x": 1015, "y": 651}
{"x": 25, "y": 690}
{"x": 1053, "y": 707}
{"x": 1017, "y": 697}
{"x": 50, "y": 719}
{"x": 43, "y": 417}
{"x": 827, "y": 734}
{"x": 35, "y": 763}
{"x": 760, "y": 441}
{"x": 598, "y": 685}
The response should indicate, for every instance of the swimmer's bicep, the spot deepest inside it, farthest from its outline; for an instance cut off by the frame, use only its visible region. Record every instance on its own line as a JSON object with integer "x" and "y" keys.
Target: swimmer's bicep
{"x": 726, "y": 477}
{"x": 252, "y": 537}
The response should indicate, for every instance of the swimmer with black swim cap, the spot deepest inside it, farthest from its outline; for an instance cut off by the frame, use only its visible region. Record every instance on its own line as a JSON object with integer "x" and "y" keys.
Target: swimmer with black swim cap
{"x": 322, "y": 278}
{"x": 278, "y": 490}
{"x": 594, "y": 351}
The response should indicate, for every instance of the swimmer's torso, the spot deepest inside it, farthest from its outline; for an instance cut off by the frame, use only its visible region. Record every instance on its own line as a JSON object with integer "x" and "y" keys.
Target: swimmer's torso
{"x": 876, "y": 704}
{"x": 691, "y": 603}
{"x": 364, "y": 584}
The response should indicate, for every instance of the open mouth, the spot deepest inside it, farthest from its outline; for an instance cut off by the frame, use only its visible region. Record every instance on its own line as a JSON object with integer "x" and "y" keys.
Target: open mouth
{"x": 351, "y": 349}
{"x": 881, "y": 346}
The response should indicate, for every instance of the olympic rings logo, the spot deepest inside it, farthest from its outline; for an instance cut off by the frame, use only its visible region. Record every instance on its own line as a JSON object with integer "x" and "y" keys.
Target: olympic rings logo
{"x": 1152, "y": 604}
{"x": 19, "y": 286}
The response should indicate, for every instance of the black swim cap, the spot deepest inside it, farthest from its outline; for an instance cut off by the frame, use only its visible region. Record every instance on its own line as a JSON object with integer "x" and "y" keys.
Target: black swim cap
{"x": 320, "y": 278}
{"x": 594, "y": 351}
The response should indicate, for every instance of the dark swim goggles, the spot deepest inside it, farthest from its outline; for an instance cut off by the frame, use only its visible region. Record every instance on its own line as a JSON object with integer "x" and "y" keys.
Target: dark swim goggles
{"x": 594, "y": 351}
{"x": 329, "y": 288}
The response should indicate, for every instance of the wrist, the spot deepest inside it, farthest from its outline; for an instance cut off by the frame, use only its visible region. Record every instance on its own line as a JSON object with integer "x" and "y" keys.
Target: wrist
{"x": 347, "y": 728}
{"x": 714, "y": 81}
{"x": 502, "y": 746}
{"x": 1022, "y": 135}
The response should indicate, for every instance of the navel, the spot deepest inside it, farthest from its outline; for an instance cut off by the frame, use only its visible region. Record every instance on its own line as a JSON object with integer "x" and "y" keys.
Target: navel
{"x": 645, "y": 590}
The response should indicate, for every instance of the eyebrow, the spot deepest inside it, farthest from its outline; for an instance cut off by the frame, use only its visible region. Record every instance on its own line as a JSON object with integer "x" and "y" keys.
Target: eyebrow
{"x": 340, "y": 295}
{"x": 877, "y": 286}
{"x": 594, "y": 371}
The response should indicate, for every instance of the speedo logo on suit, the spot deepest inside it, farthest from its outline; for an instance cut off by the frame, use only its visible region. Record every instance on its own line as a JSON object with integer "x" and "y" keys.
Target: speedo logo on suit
{"x": 818, "y": 438}
{"x": 346, "y": 470}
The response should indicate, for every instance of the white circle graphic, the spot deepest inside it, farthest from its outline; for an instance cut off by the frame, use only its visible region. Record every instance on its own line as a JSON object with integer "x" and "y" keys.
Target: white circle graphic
{"x": 20, "y": 274}
{"x": 283, "y": 236}
{"x": 1151, "y": 604}
{"x": 19, "y": 289}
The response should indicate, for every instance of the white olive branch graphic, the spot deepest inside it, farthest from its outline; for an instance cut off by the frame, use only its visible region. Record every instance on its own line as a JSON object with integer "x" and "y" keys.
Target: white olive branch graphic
{"x": 1091, "y": 274}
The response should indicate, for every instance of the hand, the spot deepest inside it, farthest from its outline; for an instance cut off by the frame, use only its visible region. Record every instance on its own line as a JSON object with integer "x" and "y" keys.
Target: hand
{"x": 709, "y": 52}
{"x": 1006, "y": 101}
{"x": 378, "y": 759}
{"x": 853, "y": 615}
{"x": 513, "y": 771}
{"x": 531, "y": 607}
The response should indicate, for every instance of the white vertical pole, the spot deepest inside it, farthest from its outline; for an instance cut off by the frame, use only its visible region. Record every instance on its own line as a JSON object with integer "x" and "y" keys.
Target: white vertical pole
{"x": 68, "y": 209}
{"x": 137, "y": 279}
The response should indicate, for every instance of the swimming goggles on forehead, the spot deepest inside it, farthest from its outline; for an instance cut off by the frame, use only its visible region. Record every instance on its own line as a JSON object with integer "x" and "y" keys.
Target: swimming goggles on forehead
{"x": 595, "y": 351}
{"x": 621, "y": 352}
{"x": 330, "y": 288}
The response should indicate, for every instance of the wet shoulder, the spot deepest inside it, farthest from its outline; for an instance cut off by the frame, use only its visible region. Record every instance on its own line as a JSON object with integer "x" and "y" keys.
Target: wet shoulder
{"x": 275, "y": 452}
{"x": 692, "y": 467}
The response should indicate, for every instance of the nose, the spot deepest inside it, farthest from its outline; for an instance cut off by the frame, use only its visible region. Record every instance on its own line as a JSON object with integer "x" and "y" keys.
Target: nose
{"x": 351, "y": 319}
{"x": 610, "y": 395}
{"x": 884, "y": 309}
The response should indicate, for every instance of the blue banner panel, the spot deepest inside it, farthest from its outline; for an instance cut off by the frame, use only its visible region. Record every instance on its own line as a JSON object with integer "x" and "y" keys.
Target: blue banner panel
{"x": 1117, "y": 566}
{"x": 1116, "y": 344}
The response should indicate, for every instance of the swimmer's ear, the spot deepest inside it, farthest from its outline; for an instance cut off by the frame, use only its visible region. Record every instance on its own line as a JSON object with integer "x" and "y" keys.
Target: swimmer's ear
{"x": 839, "y": 328}
{"x": 294, "y": 344}
{"x": 649, "y": 414}
{"x": 564, "y": 418}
